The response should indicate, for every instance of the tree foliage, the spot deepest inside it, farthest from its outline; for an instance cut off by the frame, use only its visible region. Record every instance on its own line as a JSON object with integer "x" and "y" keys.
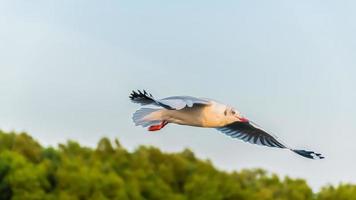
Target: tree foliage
{"x": 73, "y": 172}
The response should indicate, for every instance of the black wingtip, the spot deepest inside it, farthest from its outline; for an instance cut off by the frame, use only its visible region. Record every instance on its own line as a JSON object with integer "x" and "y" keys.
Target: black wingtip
{"x": 141, "y": 97}
{"x": 308, "y": 154}
{"x": 139, "y": 93}
{"x": 133, "y": 94}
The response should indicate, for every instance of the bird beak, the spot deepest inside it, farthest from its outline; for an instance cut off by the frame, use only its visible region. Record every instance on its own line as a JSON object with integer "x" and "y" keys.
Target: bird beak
{"x": 242, "y": 119}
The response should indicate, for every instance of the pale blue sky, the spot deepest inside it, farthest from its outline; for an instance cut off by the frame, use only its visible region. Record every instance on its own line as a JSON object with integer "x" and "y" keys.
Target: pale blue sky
{"x": 67, "y": 68}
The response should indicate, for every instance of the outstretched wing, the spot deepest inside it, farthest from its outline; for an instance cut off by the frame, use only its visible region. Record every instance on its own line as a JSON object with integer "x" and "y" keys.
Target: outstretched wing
{"x": 250, "y": 132}
{"x": 180, "y": 102}
{"x": 171, "y": 103}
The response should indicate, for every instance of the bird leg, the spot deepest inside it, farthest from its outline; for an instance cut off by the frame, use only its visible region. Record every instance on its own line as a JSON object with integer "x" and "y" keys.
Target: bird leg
{"x": 158, "y": 127}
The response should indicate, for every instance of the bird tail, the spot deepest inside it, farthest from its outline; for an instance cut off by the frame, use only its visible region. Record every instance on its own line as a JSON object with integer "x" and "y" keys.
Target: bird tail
{"x": 308, "y": 154}
{"x": 141, "y": 117}
{"x": 143, "y": 98}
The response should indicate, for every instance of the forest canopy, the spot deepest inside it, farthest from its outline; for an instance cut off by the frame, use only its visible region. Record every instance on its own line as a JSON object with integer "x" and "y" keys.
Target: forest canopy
{"x": 71, "y": 171}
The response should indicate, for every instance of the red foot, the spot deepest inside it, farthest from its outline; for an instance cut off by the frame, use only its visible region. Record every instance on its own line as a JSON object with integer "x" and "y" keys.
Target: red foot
{"x": 158, "y": 127}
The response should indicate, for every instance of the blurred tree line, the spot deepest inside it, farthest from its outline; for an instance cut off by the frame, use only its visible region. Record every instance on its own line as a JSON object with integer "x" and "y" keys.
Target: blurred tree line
{"x": 30, "y": 171}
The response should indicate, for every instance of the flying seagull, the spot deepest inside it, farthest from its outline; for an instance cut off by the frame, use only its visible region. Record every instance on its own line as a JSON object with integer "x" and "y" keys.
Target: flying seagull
{"x": 202, "y": 112}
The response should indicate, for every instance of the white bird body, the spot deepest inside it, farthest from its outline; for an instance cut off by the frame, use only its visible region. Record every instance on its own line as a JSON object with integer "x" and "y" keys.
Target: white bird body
{"x": 202, "y": 112}
{"x": 209, "y": 116}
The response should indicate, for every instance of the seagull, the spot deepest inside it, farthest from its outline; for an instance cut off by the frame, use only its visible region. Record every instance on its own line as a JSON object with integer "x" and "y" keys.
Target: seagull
{"x": 207, "y": 113}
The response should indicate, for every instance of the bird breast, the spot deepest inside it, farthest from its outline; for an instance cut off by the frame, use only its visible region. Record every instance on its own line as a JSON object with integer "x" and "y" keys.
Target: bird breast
{"x": 199, "y": 115}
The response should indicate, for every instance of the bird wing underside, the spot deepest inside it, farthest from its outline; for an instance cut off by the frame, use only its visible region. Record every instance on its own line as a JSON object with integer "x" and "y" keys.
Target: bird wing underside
{"x": 249, "y": 132}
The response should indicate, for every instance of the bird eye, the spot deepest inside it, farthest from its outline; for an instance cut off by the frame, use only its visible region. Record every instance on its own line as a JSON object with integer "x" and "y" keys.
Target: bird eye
{"x": 233, "y": 112}
{"x": 225, "y": 112}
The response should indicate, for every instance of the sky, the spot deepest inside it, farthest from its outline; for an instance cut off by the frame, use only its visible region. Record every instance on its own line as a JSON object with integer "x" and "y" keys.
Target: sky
{"x": 67, "y": 68}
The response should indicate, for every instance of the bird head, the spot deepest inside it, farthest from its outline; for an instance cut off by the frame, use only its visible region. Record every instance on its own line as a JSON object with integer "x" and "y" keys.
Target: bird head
{"x": 233, "y": 115}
